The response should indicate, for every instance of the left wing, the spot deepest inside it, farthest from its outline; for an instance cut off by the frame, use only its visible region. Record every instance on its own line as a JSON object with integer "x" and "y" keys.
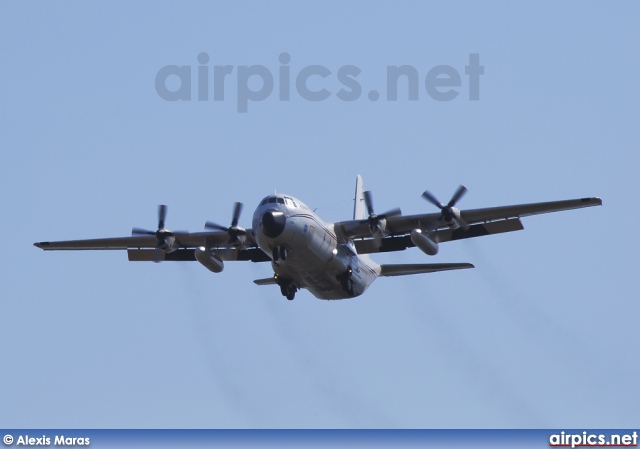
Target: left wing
{"x": 479, "y": 222}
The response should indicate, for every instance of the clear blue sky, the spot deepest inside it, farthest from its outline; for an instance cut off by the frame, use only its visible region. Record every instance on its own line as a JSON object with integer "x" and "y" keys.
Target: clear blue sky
{"x": 543, "y": 333}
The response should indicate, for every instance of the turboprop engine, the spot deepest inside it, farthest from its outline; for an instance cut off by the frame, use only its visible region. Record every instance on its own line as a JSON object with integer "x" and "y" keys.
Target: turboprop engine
{"x": 237, "y": 235}
{"x": 448, "y": 213}
{"x": 208, "y": 259}
{"x": 165, "y": 239}
{"x": 377, "y": 222}
{"x": 425, "y": 243}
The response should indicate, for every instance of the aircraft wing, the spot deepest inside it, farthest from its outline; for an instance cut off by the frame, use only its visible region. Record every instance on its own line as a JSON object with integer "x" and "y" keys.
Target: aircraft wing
{"x": 188, "y": 255}
{"x": 417, "y": 268}
{"x": 211, "y": 239}
{"x": 483, "y": 221}
{"x": 523, "y": 210}
{"x": 403, "y": 225}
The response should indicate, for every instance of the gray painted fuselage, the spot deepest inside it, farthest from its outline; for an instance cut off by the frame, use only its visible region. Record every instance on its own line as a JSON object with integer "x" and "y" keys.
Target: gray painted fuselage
{"x": 314, "y": 258}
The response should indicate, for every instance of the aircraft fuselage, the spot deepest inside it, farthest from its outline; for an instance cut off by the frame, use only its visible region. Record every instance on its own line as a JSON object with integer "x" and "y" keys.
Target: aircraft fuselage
{"x": 305, "y": 250}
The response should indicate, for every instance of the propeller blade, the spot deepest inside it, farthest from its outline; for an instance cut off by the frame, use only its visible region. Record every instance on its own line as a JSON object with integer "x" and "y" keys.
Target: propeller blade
{"x": 447, "y": 213}
{"x": 463, "y": 224}
{"x": 138, "y": 231}
{"x": 391, "y": 213}
{"x": 234, "y": 231}
{"x": 457, "y": 195}
{"x": 158, "y": 255}
{"x": 368, "y": 201}
{"x": 377, "y": 241}
{"x": 236, "y": 214}
{"x": 161, "y": 234}
{"x": 215, "y": 226}
{"x": 432, "y": 199}
{"x": 162, "y": 214}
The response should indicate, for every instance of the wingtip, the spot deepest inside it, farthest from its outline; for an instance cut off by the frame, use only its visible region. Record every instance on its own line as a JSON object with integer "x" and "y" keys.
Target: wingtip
{"x": 41, "y": 245}
{"x": 595, "y": 199}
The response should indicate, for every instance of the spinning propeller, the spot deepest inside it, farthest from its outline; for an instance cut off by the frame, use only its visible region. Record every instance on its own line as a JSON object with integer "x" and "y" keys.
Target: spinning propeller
{"x": 377, "y": 223}
{"x": 161, "y": 232}
{"x": 448, "y": 212}
{"x": 374, "y": 219}
{"x": 165, "y": 237}
{"x": 234, "y": 230}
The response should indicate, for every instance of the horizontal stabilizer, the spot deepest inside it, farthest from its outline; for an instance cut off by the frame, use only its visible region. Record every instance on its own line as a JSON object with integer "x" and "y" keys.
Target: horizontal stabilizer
{"x": 265, "y": 281}
{"x": 417, "y": 268}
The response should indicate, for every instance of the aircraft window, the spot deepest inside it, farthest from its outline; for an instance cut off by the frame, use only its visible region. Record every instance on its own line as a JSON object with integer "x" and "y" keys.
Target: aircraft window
{"x": 280, "y": 201}
{"x": 294, "y": 203}
{"x": 264, "y": 201}
{"x": 272, "y": 199}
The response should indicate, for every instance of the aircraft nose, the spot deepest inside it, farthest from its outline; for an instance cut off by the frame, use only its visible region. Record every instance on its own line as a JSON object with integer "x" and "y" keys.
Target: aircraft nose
{"x": 273, "y": 222}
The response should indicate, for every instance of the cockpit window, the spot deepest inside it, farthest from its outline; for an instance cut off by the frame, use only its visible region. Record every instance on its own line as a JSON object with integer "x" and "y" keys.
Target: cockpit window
{"x": 279, "y": 200}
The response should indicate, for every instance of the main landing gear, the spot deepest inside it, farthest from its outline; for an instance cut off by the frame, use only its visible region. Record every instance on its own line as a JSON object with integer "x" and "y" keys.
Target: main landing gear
{"x": 287, "y": 288}
{"x": 346, "y": 282}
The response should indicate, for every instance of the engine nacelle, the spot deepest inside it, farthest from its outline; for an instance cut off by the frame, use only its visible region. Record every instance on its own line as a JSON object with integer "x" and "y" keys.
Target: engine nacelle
{"x": 453, "y": 219}
{"x": 424, "y": 242}
{"x": 377, "y": 230}
{"x": 168, "y": 244}
{"x": 206, "y": 258}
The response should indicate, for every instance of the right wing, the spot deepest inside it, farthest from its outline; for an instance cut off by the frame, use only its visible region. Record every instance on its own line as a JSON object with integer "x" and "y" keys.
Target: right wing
{"x": 143, "y": 248}
{"x": 188, "y": 255}
{"x": 214, "y": 239}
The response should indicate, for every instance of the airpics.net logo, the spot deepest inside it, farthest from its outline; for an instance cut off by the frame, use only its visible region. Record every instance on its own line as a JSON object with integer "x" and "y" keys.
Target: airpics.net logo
{"x": 255, "y": 83}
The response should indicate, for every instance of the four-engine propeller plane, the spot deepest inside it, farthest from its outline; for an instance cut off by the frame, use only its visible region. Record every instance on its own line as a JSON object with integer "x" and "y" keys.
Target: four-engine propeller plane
{"x": 328, "y": 259}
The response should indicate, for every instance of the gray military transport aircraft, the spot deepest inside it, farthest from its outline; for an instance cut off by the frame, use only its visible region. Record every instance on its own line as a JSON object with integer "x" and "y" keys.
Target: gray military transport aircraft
{"x": 328, "y": 259}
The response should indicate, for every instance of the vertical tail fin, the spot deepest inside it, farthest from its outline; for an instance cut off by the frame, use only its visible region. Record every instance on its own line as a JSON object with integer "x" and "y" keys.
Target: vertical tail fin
{"x": 359, "y": 208}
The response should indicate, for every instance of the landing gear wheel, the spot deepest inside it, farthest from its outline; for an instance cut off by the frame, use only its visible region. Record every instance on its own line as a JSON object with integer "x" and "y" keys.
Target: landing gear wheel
{"x": 291, "y": 293}
{"x": 287, "y": 289}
